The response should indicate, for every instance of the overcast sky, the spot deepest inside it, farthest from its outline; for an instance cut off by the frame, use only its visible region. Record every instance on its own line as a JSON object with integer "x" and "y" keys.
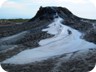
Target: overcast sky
{"x": 28, "y": 8}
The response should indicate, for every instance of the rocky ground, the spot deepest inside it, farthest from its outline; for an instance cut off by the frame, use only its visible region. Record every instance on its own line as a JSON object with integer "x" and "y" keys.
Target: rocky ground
{"x": 72, "y": 62}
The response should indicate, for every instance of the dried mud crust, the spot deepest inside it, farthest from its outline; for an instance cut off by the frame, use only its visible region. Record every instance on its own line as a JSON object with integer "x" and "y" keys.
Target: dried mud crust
{"x": 79, "y": 61}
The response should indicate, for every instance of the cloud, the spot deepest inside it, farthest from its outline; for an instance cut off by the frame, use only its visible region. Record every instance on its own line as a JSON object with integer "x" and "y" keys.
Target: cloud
{"x": 28, "y": 8}
{"x": 12, "y": 4}
{"x": 94, "y": 2}
{"x": 13, "y": 9}
{"x": 1, "y": 2}
{"x": 56, "y": 1}
{"x": 77, "y": 1}
{"x": 22, "y": 4}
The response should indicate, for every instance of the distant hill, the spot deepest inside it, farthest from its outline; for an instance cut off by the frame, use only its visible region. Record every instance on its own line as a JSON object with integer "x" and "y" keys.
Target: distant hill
{"x": 12, "y": 21}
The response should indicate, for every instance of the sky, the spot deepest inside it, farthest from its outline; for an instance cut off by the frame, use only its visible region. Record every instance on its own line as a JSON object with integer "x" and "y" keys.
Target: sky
{"x": 28, "y": 8}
